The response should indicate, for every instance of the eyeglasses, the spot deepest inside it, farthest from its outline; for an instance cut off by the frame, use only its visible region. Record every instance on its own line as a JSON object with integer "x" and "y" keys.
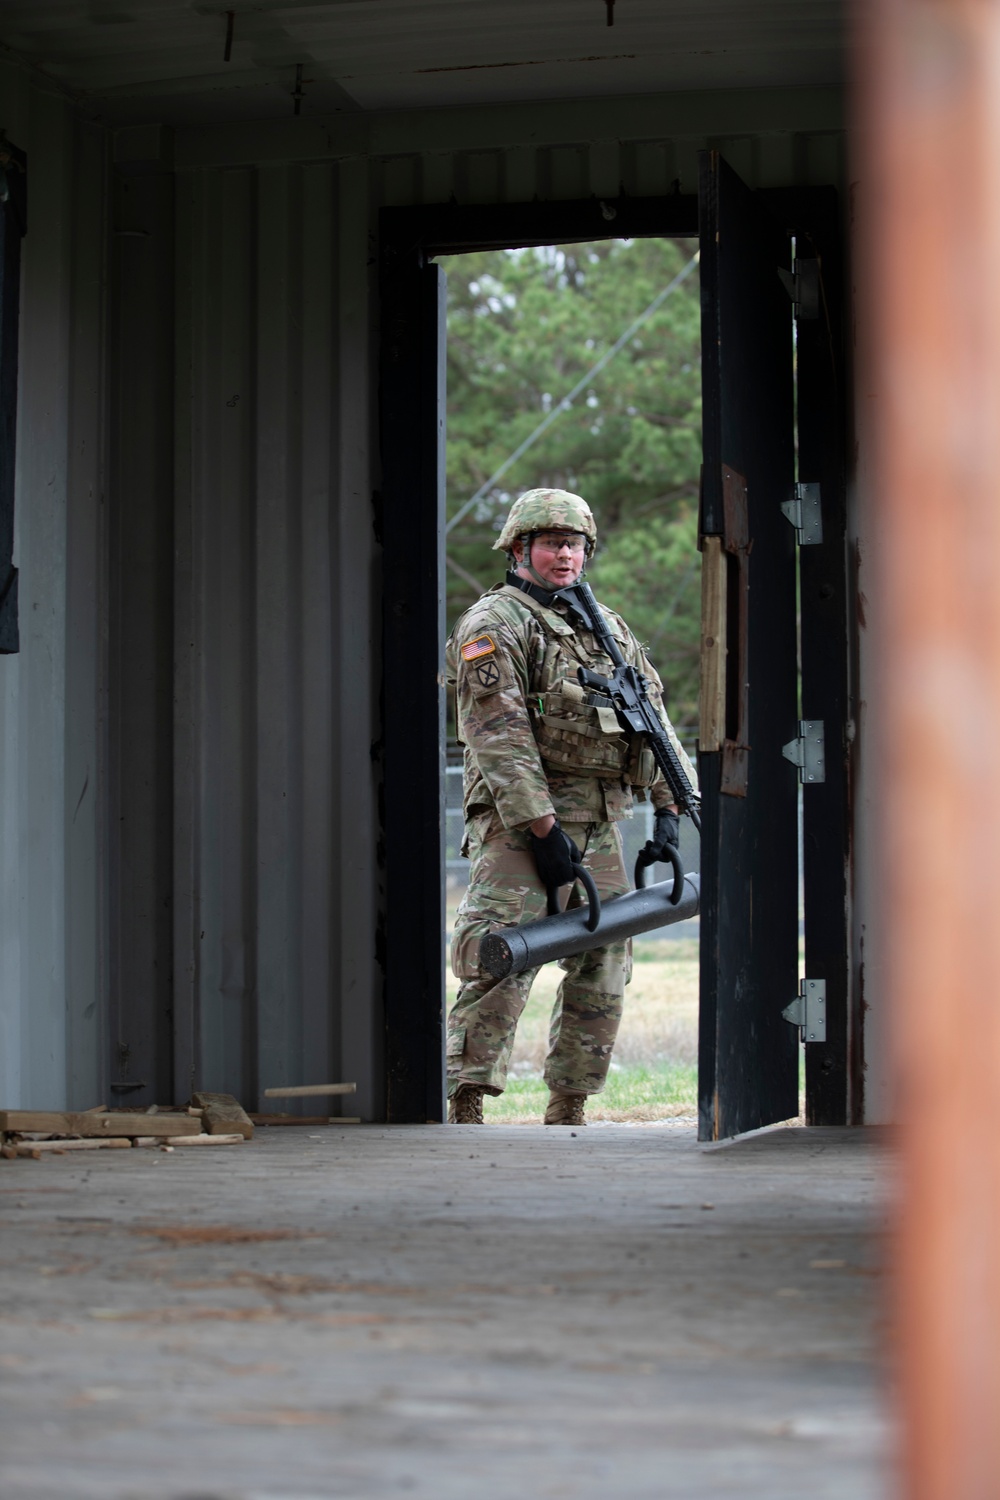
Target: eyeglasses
{"x": 555, "y": 541}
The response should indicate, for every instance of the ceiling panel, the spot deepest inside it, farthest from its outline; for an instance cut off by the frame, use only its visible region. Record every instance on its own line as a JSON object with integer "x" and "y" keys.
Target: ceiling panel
{"x": 164, "y": 59}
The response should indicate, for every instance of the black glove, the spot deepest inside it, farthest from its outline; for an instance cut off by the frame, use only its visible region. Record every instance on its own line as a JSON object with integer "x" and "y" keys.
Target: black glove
{"x": 666, "y": 830}
{"x": 555, "y": 856}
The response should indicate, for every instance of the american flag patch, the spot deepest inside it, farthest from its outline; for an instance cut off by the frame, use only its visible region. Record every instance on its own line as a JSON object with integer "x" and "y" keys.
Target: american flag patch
{"x": 481, "y": 646}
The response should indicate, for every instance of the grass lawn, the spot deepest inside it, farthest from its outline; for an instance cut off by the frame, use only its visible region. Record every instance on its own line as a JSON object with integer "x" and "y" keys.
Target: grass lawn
{"x": 654, "y": 1075}
{"x": 660, "y": 1092}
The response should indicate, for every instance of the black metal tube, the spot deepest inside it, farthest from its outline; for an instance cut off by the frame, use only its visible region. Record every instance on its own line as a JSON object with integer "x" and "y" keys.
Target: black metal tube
{"x": 514, "y": 949}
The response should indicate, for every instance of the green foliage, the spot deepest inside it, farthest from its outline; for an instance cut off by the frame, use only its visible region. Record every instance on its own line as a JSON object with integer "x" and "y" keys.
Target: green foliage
{"x": 524, "y": 327}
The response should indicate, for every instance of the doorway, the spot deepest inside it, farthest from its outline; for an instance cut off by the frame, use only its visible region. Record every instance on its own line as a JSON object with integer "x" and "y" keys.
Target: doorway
{"x": 410, "y": 517}
{"x": 577, "y": 366}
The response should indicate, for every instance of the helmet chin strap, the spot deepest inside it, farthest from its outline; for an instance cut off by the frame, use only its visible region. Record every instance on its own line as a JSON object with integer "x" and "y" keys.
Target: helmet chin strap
{"x": 550, "y": 597}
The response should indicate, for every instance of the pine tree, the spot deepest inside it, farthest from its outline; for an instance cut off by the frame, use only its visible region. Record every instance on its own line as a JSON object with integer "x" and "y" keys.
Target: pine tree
{"x": 524, "y": 326}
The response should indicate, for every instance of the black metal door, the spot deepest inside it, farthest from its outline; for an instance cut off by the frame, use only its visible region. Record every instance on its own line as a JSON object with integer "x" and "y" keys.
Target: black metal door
{"x": 748, "y": 1053}
{"x": 834, "y": 1066}
{"x": 412, "y": 416}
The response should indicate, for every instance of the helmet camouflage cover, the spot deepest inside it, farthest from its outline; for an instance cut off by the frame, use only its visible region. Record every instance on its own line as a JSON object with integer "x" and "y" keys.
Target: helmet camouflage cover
{"x": 542, "y": 510}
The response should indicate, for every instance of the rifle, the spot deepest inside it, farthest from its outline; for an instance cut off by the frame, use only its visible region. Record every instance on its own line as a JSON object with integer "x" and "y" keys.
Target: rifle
{"x": 626, "y": 691}
{"x": 512, "y": 950}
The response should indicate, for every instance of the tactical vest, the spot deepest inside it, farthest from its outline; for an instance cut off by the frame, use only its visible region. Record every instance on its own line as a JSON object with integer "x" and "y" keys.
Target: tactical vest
{"x": 573, "y": 736}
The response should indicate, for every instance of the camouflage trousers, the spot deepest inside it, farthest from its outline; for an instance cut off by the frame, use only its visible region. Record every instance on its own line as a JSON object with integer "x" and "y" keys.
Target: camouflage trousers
{"x": 504, "y": 890}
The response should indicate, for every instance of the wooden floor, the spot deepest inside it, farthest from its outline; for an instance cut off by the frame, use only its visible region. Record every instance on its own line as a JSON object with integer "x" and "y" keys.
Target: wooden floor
{"x": 452, "y": 1312}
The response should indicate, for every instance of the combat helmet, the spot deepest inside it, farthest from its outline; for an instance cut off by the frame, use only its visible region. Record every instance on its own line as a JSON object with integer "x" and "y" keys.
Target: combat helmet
{"x": 547, "y": 510}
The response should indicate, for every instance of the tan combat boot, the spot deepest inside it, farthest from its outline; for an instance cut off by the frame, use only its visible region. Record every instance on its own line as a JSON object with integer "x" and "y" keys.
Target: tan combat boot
{"x": 565, "y": 1109}
{"x": 465, "y": 1107}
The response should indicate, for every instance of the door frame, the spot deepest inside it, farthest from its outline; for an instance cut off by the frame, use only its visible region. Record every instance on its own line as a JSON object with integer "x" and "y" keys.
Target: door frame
{"x": 411, "y": 395}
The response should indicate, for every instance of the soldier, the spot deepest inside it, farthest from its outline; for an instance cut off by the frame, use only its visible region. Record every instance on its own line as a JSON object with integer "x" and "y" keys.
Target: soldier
{"x": 547, "y": 777}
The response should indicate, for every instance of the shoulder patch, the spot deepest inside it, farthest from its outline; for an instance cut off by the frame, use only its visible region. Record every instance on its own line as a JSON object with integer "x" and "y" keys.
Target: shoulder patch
{"x": 488, "y": 676}
{"x": 482, "y": 645}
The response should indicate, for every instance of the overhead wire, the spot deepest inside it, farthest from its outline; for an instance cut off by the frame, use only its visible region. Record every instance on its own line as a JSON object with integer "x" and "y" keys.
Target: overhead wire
{"x": 567, "y": 400}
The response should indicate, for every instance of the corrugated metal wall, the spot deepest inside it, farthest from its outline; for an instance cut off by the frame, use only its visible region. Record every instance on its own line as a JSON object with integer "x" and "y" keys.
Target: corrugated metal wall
{"x": 189, "y": 793}
{"x": 603, "y": 170}
{"x": 53, "y": 1036}
{"x": 275, "y": 883}
{"x": 276, "y": 880}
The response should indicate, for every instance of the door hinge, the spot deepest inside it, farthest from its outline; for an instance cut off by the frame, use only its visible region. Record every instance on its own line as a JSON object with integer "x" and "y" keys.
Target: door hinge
{"x": 808, "y": 751}
{"x": 802, "y": 285}
{"x": 808, "y": 1010}
{"x": 806, "y": 514}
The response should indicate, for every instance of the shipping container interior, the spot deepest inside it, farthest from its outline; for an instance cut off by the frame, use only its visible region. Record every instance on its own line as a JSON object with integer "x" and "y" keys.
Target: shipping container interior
{"x": 221, "y": 737}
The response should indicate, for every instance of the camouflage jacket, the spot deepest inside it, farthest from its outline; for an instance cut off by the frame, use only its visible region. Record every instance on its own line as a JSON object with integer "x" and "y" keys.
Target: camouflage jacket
{"x": 532, "y": 744}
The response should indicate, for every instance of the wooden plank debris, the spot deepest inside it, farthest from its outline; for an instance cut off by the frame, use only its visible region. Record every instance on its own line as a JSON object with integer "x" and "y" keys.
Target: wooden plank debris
{"x": 306, "y": 1119}
{"x": 40, "y": 1133}
{"x": 712, "y": 696}
{"x": 259, "y": 1119}
{"x": 87, "y": 1123}
{"x": 235, "y": 1139}
{"x": 35, "y": 1149}
{"x": 310, "y": 1090}
{"x": 222, "y": 1114}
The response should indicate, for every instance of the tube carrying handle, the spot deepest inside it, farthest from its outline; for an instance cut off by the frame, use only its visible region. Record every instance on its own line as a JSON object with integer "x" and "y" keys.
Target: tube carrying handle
{"x": 585, "y": 878}
{"x": 671, "y": 855}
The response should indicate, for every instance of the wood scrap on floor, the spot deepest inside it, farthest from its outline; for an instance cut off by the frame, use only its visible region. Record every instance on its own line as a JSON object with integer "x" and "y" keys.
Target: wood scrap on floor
{"x": 235, "y": 1139}
{"x": 210, "y": 1120}
{"x": 259, "y": 1119}
{"x": 221, "y": 1114}
{"x": 56, "y": 1147}
{"x": 87, "y": 1123}
{"x": 306, "y": 1119}
{"x": 309, "y": 1090}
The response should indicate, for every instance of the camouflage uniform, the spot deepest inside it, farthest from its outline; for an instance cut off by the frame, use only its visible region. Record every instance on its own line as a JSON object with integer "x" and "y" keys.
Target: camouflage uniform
{"x": 533, "y": 746}
{"x": 504, "y": 890}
